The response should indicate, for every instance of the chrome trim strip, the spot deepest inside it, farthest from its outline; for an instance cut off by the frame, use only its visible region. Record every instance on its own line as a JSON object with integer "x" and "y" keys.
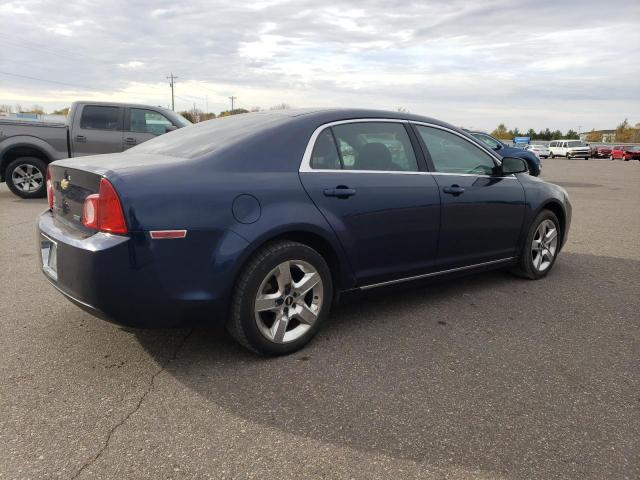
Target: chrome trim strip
{"x": 434, "y": 274}
{"x": 305, "y": 164}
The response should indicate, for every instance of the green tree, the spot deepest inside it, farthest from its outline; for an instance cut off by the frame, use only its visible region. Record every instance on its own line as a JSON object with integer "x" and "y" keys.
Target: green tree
{"x": 572, "y": 134}
{"x": 63, "y": 111}
{"x": 501, "y": 132}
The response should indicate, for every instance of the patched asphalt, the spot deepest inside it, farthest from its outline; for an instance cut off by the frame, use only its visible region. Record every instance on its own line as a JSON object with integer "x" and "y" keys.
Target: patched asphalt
{"x": 486, "y": 376}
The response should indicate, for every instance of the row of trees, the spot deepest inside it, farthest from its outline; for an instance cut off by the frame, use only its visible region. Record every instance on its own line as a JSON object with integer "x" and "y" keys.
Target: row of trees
{"x": 196, "y": 115}
{"x": 37, "y": 109}
{"x": 503, "y": 133}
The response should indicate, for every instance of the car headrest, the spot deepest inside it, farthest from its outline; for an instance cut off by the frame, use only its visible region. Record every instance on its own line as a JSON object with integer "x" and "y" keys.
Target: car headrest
{"x": 374, "y": 156}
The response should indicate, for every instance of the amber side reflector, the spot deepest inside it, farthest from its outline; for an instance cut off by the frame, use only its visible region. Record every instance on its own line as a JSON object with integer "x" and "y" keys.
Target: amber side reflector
{"x": 167, "y": 234}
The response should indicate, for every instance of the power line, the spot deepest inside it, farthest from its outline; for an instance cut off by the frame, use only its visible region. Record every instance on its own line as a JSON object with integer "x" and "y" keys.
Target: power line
{"x": 45, "y": 80}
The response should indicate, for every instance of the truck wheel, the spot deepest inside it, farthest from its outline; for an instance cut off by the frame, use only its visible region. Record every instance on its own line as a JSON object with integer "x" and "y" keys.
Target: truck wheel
{"x": 551, "y": 155}
{"x": 26, "y": 177}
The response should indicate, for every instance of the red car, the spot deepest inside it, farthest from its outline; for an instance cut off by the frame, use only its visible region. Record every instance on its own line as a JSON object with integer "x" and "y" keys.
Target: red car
{"x": 600, "y": 151}
{"x": 625, "y": 152}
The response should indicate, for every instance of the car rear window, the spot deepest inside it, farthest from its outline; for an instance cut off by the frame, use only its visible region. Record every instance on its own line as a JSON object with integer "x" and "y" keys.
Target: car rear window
{"x": 203, "y": 138}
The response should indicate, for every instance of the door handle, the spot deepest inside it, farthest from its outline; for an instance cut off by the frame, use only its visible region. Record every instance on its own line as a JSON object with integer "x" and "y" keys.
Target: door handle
{"x": 80, "y": 138}
{"x": 454, "y": 190}
{"x": 341, "y": 191}
{"x": 130, "y": 141}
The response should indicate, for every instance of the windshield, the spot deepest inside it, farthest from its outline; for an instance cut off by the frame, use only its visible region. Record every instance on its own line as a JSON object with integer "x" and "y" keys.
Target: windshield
{"x": 183, "y": 121}
{"x": 487, "y": 140}
{"x": 576, "y": 143}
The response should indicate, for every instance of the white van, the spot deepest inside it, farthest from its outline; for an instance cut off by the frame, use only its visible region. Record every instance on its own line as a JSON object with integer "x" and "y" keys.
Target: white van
{"x": 569, "y": 149}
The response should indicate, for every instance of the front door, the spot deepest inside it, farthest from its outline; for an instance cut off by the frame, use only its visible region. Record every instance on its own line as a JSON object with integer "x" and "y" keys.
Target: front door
{"x": 98, "y": 130}
{"x": 364, "y": 178}
{"x": 142, "y": 124}
{"x": 482, "y": 214}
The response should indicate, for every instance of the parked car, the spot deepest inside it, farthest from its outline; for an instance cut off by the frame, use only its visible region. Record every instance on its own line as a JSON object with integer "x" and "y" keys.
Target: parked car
{"x": 569, "y": 149}
{"x": 533, "y": 162}
{"x": 600, "y": 151}
{"x": 625, "y": 152}
{"x": 27, "y": 147}
{"x": 258, "y": 220}
{"x": 539, "y": 149}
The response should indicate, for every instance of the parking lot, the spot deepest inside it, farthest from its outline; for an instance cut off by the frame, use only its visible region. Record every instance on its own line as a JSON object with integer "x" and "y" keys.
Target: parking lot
{"x": 486, "y": 376}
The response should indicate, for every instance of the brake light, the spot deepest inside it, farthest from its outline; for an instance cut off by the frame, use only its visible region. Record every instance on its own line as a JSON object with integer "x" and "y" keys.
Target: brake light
{"x": 49, "y": 185}
{"x": 103, "y": 211}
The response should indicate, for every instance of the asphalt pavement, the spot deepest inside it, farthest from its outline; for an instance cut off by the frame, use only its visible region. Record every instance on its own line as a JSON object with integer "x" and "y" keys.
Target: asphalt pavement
{"x": 482, "y": 377}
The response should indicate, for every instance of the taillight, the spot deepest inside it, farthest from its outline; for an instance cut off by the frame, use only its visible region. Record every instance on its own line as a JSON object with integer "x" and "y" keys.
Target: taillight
{"x": 103, "y": 211}
{"x": 49, "y": 185}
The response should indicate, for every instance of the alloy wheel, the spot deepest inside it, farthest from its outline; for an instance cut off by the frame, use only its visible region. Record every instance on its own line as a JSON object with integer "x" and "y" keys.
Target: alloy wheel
{"x": 27, "y": 177}
{"x": 544, "y": 245}
{"x": 288, "y": 301}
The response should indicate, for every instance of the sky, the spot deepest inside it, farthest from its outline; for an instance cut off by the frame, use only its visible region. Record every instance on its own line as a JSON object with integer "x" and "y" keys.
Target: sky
{"x": 529, "y": 64}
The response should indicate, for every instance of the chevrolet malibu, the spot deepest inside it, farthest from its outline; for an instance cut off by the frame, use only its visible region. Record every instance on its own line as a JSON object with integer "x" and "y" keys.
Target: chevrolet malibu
{"x": 262, "y": 220}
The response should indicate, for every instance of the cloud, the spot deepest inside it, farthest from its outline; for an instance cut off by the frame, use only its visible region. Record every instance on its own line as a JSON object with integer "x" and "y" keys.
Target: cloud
{"x": 528, "y": 63}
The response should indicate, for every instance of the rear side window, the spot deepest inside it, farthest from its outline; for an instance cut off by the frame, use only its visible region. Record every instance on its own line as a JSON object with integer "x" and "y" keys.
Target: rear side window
{"x": 325, "y": 154}
{"x": 96, "y": 117}
{"x": 377, "y": 146}
{"x": 453, "y": 154}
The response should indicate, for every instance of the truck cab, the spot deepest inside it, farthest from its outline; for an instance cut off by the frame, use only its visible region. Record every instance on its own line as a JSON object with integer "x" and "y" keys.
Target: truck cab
{"x": 27, "y": 147}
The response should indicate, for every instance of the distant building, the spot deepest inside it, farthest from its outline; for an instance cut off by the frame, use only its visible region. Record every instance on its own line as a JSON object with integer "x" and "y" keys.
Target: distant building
{"x": 606, "y": 136}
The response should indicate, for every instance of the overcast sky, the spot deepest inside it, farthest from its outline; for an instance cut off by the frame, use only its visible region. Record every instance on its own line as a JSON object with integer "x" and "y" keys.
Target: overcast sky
{"x": 557, "y": 64}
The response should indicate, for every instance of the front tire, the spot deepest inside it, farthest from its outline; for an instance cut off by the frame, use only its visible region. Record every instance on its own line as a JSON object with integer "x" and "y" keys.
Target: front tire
{"x": 26, "y": 177}
{"x": 281, "y": 298}
{"x": 541, "y": 247}
{"x": 551, "y": 155}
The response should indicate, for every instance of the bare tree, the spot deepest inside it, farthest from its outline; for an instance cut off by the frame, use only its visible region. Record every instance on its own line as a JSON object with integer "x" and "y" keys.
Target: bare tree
{"x": 281, "y": 106}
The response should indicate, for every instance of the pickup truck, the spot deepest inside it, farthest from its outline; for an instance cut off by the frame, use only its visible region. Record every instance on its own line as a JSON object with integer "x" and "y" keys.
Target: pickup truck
{"x": 27, "y": 147}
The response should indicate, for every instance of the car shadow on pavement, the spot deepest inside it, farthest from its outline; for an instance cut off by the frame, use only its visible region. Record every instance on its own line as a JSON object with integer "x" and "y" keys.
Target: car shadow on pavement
{"x": 487, "y": 372}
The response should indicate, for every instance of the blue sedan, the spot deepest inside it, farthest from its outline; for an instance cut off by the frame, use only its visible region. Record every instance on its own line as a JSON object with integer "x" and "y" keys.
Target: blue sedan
{"x": 261, "y": 220}
{"x": 533, "y": 162}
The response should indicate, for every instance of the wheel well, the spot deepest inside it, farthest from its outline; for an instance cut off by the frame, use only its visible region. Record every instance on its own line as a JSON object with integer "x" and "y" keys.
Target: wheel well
{"x": 556, "y": 208}
{"x": 319, "y": 244}
{"x": 17, "y": 152}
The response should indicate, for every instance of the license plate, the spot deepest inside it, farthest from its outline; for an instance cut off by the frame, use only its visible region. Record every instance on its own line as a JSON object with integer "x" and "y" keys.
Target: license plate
{"x": 49, "y": 254}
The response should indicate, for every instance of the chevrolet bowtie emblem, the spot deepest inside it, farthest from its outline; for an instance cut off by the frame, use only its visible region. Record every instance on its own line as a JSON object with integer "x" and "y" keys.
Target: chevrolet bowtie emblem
{"x": 64, "y": 184}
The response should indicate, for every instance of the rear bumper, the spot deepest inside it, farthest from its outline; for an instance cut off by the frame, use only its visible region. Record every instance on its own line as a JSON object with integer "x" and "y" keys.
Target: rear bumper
{"x": 138, "y": 282}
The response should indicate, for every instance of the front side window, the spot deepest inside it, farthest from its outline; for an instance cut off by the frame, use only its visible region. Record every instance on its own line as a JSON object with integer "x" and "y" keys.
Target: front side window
{"x": 148, "y": 121}
{"x": 96, "y": 117}
{"x": 376, "y": 146}
{"x": 453, "y": 154}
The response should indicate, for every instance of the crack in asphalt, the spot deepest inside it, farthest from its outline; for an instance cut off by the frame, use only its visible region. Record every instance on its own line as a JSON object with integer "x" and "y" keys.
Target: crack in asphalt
{"x": 149, "y": 389}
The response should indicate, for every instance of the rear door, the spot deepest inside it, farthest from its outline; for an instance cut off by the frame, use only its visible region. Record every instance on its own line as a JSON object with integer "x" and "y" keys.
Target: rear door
{"x": 482, "y": 213}
{"x": 142, "y": 124}
{"x": 97, "y": 129}
{"x": 370, "y": 185}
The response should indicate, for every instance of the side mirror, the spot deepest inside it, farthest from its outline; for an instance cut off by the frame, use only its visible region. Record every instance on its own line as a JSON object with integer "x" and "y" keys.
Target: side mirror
{"x": 170, "y": 128}
{"x": 513, "y": 165}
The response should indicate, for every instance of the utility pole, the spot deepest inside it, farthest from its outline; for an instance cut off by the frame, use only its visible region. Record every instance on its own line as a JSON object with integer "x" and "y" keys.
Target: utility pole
{"x": 232, "y": 98}
{"x": 171, "y": 84}
{"x": 206, "y": 102}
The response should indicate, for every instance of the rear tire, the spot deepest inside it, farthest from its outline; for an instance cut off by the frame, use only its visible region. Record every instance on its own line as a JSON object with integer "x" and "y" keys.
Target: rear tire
{"x": 281, "y": 299}
{"x": 541, "y": 247}
{"x": 26, "y": 177}
{"x": 551, "y": 155}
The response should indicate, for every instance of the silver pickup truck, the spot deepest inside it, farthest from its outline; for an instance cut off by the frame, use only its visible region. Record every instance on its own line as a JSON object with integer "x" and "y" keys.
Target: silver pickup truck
{"x": 27, "y": 147}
